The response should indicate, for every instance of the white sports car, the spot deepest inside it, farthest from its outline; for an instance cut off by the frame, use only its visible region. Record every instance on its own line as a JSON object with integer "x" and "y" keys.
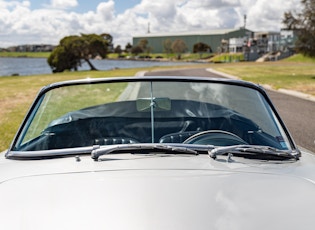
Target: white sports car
{"x": 155, "y": 153}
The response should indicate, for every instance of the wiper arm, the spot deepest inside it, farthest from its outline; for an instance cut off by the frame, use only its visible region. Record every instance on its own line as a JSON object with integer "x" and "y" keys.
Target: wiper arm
{"x": 140, "y": 148}
{"x": 255, "y": 152}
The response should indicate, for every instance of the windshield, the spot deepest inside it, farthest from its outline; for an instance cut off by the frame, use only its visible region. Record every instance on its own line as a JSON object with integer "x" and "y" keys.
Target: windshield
{"x": 150, "y": 111}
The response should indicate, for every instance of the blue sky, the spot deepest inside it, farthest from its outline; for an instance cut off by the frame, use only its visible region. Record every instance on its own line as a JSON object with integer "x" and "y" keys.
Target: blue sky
{"x": 48, "y": 21}
{"x": 88, "y": 5}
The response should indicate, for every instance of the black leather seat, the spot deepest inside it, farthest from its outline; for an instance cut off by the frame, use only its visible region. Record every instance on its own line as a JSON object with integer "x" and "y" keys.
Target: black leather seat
{"x": 179, "y": 137}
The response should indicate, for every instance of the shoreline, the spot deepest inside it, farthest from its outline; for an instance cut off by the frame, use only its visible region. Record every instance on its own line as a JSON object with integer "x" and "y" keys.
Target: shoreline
{"x": 25, "y": 66}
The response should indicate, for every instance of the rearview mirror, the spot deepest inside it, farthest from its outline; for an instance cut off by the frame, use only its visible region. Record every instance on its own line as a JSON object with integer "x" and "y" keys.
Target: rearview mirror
{"x": 159, "y": 104}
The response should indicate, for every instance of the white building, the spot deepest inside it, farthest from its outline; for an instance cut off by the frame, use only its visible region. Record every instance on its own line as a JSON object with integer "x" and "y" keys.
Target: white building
{"x": 236, "y": 44}
{"x": 267, "y": 42}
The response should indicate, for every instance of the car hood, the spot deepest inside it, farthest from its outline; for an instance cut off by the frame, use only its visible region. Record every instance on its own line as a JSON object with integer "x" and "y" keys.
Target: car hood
{"x": 156, "y": 192}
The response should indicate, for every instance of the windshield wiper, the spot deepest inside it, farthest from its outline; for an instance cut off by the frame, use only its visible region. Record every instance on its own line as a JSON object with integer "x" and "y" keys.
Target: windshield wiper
{"x": 255, "y": 152}
{"x": 140, "y": 148}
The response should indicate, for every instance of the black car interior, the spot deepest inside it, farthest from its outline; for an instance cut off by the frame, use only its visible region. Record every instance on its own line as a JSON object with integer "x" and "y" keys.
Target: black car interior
{"x": 123, "y": 123}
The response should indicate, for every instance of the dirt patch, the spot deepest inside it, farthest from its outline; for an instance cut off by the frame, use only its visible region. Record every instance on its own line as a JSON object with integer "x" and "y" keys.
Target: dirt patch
{"x": 10, "y": 104}
{"x": 307, "y": 89}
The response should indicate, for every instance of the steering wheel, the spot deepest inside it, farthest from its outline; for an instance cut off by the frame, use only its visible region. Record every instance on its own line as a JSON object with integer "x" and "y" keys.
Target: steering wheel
{"x": 215, "y": 137}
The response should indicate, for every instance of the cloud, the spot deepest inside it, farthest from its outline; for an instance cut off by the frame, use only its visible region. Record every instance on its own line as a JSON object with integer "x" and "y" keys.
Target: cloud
{"x": 261, "y": 15}
{"x": 163, "y": 9}
{"x": 62, "y": 4}
{"x": 213, "y": 4}
{"x": 20, "y": 24}
{"x": 106, "y": 10}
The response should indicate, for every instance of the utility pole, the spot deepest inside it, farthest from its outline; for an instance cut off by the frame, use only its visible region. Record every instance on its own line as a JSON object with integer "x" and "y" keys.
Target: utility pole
{"x": 245, "y": 21}
{"x": 246, "y": 47}
{"x": 149, "y": 27}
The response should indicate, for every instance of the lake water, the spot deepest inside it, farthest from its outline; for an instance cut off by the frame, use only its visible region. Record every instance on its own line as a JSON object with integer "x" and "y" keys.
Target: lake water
{"x": 31, "y": 66}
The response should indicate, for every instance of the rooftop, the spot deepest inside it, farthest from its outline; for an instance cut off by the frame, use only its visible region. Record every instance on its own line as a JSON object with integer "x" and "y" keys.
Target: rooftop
{"x": 185, "y": 33}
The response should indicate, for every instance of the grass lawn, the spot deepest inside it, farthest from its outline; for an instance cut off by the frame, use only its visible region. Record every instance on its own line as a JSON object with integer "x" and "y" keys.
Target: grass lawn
{"x": 185, "y": 57}
{"x": 25, "y": 54}
{"x": 296, "y": 73}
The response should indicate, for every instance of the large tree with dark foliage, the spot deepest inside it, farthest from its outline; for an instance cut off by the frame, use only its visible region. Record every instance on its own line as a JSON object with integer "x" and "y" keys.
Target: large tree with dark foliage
{"x": 167, "y": 45}
{"x": 72, "y": 50}
{"x": 179, "y": 47}
{"x": 304, "y": 24}
{"x": 136, "y": 50}
{"x": 128, "y": 47}
{"x": 201, "y": 47}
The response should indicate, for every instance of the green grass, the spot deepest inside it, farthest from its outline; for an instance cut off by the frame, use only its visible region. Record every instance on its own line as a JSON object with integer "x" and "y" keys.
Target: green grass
{"x": 185, "y": 56}
{"x": 222, "y": 58}
{"x": 300, "y": 58}
{"x": 25, "y": 54}
{"x": 171, "y": 56}
{"x": 296, "y": 73}
{"x": 78, "y": 97}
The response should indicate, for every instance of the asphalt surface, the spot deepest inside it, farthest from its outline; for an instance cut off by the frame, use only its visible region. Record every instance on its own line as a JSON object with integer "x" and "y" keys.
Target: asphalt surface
{"x": 298, "y": 114}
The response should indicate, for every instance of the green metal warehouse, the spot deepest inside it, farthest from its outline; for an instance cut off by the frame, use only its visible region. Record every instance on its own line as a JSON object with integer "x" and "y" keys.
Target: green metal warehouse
{"x": 213, "y": 38}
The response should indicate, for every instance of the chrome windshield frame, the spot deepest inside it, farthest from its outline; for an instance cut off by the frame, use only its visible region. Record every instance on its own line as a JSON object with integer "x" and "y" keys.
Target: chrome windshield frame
{"x": 192, "y": 79}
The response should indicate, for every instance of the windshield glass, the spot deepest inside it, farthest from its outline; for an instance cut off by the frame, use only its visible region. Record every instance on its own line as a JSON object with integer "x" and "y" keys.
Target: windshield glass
{"x": 109, "y": 113}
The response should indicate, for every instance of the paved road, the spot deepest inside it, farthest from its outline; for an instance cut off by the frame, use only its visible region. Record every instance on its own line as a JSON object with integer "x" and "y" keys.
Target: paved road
{"x": 298, "y": 114}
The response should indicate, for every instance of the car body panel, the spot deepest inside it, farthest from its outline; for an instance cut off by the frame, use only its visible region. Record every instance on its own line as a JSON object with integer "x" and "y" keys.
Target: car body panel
{"x": 126, "y": 191}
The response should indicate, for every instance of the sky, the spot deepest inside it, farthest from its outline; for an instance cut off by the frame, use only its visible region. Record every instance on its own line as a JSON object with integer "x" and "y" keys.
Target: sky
{"x": 48, "y": 21}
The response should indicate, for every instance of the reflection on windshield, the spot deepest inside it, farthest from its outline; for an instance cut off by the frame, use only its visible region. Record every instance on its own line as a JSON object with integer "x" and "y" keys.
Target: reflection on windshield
{"x": 150, "y": 111}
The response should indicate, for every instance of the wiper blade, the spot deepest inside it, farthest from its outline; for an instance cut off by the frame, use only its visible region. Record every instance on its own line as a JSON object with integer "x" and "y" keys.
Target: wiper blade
{"x": 50, "y": 153}
{"x": 140, "y": 148}
{"x": 255, "y": 152}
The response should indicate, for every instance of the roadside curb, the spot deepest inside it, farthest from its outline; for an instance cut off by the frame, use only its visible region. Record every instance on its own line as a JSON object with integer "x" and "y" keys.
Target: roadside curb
{"x": 284, "y": 91}
{"x": 140, "y": 73}
{"x": 222, "y": 74}
{"x": 297, "y": 94}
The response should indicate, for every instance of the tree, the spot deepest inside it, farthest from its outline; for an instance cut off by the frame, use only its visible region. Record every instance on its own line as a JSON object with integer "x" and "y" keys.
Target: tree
{"x": 143, "y": 44}
{"x": 179, "y": 47}
{"x": 136, "y": 50}
{"x": 70, "y": 52}
{"x": 304, "y": 24}
{"x": 118, "y": 50}
{"x": 201, "y": 48}
{"x": 109, "y": 39}
{"x": 61, "y": 60}
{"x": 128, "y": 47}
{"x": 167, "y": 45}
{"x": 141, "y": 47}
